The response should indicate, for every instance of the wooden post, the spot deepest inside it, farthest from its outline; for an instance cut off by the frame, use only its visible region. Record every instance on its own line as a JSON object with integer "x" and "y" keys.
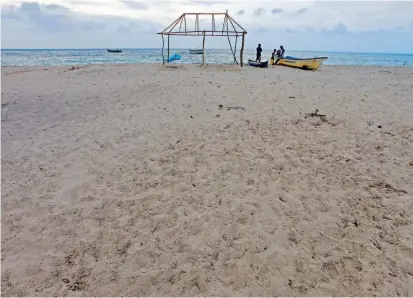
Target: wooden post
{"x": 168, "y": 49}
{"x": 203, "y": 49}
{"x": 163, "y": 47}
{"x": 241, "y": 58}
{"x": 185, "y": 21}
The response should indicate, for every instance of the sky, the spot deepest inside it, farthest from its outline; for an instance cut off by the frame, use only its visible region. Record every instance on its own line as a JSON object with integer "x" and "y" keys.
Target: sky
{"x": 348, "y": 26}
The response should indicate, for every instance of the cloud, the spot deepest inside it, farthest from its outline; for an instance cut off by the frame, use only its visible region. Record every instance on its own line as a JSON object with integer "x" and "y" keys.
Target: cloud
{"x": 56, "y": 7}
{"x": 259, "y": 12}
{"x": 291, "y": 31}
{"x": 30, "y": 7}
{"x": 240, "y": 12}
{"x": 302, "y": 10}
{"x": 385, "y": 41}
{"x": 340, "y": 29}
{"x": 263, "y": 30}
{"x": 44, "y": 17}
{"x": 82, "y": 2}
{"x": 276, "y": 10}
{"x": 34, "y": 25}
{"x": 134, "y": 4}
{"x": 208, "y": 3}
{"x": 58, "y": 17}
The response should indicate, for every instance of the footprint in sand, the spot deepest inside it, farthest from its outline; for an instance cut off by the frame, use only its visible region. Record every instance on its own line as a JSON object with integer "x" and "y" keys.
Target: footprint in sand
{"x": 71, "y": 192}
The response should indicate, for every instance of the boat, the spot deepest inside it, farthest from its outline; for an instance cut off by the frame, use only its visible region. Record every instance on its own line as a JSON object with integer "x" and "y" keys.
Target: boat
{"x": 303, "y": 63}
{"x": 196, "y": 51}
{"x": 262, "y": 64}
{"x": 114, "y": 51}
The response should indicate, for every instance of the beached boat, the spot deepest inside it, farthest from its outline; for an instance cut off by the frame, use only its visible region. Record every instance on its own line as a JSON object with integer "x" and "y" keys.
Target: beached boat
{"x": 114, "y": 51}
{"x": 196, "y": 51}
{"x": 303, "y": 63}
{"x": 262, "y": 64}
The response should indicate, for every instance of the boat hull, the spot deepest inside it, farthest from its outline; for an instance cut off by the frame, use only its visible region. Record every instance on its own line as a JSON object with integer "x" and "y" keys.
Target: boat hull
{"x": 258, "y": 64}
{"x": 196, "y": 52}
{"x": 114, "y": 51}
{"x": 306, "y": 63}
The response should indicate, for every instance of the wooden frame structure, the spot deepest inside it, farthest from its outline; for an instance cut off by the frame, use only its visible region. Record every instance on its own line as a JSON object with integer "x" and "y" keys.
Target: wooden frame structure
{"x": 229, "y": 28}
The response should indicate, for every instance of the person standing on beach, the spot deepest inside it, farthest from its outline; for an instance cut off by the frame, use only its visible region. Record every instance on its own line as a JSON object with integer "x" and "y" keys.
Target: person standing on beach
{"x": 273, "y": 57}
{"x": 259, "y": 50}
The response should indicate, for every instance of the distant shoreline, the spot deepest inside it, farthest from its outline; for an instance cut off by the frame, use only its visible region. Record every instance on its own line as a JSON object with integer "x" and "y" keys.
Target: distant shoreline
{"x": 190, "y": 65}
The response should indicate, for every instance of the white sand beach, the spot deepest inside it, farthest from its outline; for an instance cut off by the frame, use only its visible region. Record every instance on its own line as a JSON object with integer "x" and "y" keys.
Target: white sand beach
{"x": 145, "y": 180}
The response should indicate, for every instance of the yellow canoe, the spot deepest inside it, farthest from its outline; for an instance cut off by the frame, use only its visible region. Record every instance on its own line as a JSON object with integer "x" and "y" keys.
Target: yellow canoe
{"x": 305, "y": 63}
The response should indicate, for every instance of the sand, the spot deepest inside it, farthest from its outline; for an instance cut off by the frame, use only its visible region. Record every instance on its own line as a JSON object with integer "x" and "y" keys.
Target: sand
{"x": 141, "y": 180}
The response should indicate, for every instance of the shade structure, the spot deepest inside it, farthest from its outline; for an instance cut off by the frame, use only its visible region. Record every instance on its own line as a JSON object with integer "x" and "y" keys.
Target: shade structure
{"x": 206, "y": 24}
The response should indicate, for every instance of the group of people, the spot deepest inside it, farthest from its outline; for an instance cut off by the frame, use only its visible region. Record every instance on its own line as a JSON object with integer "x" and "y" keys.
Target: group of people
{"x": 279, "y": 53}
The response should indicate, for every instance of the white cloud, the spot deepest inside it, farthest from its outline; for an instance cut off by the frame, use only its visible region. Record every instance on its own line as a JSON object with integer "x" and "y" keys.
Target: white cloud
{"x": 259, "y": 12}
{"x": 302, "y": 10}
{"x": 135, "y": 4}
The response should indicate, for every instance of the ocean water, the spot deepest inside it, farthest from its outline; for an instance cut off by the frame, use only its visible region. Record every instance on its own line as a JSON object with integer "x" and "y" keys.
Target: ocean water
{"x": 10, "y": 57}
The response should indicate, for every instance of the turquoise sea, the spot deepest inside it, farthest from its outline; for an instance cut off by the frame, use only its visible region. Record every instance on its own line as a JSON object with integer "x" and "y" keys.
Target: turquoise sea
{"x": 43, "y": 57}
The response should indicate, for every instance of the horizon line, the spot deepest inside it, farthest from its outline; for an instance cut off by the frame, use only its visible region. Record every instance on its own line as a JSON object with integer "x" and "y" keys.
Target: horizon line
{"x": 293, "y": 50}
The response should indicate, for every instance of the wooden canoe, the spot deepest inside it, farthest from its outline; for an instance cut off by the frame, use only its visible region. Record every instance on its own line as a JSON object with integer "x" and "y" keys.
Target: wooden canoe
{"x": 114, "y": 51}
{"x": 303, "y": 63}
{"x": 261, "y": 64}
{"x": 196, "y": 51}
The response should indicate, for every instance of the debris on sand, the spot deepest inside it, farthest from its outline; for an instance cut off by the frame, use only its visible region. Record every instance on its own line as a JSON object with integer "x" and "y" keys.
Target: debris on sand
{"x": 230, "y": 108}
{"x": 77, "y": 67}
{"x": 235, "y": 108}
{"x": 316, "y": 114}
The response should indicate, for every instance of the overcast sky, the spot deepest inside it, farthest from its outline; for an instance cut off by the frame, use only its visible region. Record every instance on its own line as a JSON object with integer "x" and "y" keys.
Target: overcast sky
{"x": 368, "y": 26}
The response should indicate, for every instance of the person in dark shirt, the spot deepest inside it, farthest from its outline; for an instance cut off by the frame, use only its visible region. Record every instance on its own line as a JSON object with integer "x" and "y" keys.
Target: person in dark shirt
{"x": 280, "y": 54}
{"x": 282, "y": 51}
{"x": 259, "y": 50}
